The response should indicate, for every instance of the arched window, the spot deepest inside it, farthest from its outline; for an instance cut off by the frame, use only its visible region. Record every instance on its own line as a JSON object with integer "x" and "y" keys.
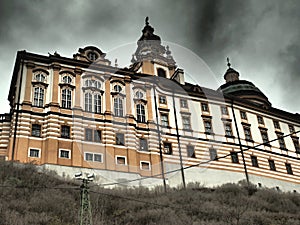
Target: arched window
{"x": 97, "y": 84}
{"x": 66, "y": 98}
{"x": 139, "y": 95}
{"x": 118, "y": 106}
{"x": 93, "y": 83}
{"x": 140, "y": 113}
{"x": 97, "y": 103}
{"x": 92, "y": 56}
{"x": 161, "y": 72}
{"x": 117, "y": 88}
{"x": 67, "y": 79}
{"x": 40, "y": 77}
{"x": 88, "y": 83}
{"x": 88, "y": 102}
{"x": 38, "y": 98}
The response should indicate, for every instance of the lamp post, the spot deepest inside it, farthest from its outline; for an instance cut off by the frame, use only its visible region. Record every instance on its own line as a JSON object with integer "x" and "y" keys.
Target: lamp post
{"x": 85, "y": 214}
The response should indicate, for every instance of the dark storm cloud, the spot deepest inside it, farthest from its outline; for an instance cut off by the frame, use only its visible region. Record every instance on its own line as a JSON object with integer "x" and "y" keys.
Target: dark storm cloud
{"x": 261, "y": 37}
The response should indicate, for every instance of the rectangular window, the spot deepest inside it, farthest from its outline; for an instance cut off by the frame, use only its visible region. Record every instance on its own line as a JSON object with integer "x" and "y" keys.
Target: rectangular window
{"x": 65, "y": 131}
{"x": 183, "y": 103}
{"x": 264, "y": 136}
{"x": 162, "y": 99}
{"x": 281, "y": 141}
{"x": 296, "y": 144}
{"x": 34, "y": 153}
{"x": 121, "y": 160}
{"x": 97, "y": 135}
{"x": 143, "y": 145}
{"x": 118, "y": 106}
{"x": 145, "y": 165}
{"x": 36, "y": 130}
{"x": 207, "y": 126}
{"x": 66, "y": 98}
{"x": 291, "y": 129}
{"x": 289, "y": 169}
{"x": 93, "y": 157}
{"x": 254, "y": 161}
{"x": 191, "y": 151}
{"x": 97, "y": 103}
{"x": 260, "y": 120}
{"x": 88, "y": 134}
{"x": 213, "y": 154}
{"x": 64, "y": 154}
{"x": 272, "y": 165}
{"x": 120, "y": 140}
{"x": 276, "y": 124}
{"x": 98, "y": 157}
{"x": 247, "y": 132}
{"x": 38, "y": 97}
{"x": 224, "y": 110}
{"x": 167, "y": 148}
{"x": 88, "y": 156}
{"x": 140, "y": 113}
{"x": 164, "y": 119}
{"x": 234, "y": 157}
{"x": 228, "y": 129}
{"x": 186, "y": 122}
{"x": 88, "y": 102}
{"x": 204, "y": 107}
{"x": 243, "y": 115}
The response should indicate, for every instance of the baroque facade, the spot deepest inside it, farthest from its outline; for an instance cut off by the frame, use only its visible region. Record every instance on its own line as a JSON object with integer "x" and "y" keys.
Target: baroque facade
{"x": 145, "y": 125}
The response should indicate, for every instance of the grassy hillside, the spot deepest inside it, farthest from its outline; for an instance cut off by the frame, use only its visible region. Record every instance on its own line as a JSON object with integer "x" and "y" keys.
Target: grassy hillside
{"x": 30, "y": 197}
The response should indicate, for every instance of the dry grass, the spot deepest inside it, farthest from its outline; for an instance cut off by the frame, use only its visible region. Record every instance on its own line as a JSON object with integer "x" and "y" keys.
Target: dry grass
{"x": 35, "y": 200}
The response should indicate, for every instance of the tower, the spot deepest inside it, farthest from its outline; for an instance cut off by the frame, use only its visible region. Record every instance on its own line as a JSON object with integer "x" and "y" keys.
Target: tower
{"x": 151, "y": 57}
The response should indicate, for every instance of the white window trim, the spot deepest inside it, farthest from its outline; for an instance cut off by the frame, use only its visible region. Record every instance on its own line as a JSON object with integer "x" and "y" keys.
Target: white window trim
{"x": 34, "y": 149}
{"x": 145, "y": 162}
{"x": 143, "y": 93}
{"x": 145, "y": 110}
{"x": 122, "y": 157}
{"x": 113, "y": 87}
{"x": 93, "y": 153}
{"x": 61, "y": 149}
{"x": 40, "y": 72}
{"x": 88, "y": 153}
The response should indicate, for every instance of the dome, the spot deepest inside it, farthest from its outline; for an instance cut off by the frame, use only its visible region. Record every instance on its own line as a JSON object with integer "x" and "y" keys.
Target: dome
{"x": 243, "y": 89}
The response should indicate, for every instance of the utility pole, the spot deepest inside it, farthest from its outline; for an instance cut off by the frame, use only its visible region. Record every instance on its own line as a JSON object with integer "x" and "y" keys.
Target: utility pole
{"x": 85, "y": 214}
{"x": 240, "y": 144}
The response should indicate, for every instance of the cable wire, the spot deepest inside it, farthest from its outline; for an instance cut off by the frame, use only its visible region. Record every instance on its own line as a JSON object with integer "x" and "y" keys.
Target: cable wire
{"x": 136, "y": 200}
{"x": 200, "y": 163}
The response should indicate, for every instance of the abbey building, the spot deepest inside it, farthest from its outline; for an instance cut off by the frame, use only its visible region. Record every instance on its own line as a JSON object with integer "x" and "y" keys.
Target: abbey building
{"x": 145, "y": 125}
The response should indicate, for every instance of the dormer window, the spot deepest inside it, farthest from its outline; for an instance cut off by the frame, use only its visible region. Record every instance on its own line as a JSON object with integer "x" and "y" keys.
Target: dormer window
{"x": 117, "y": 88}
{"x": 67, "y": 79}
{"x": 92, "y": 56}
{"x": 40, "y": 77}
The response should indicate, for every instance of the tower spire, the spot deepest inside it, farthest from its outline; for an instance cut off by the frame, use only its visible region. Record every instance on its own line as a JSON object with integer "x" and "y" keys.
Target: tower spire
{"x": 231, "y": 74}
{"x": 147, "y": 21}
{"x": 228, "y": 63}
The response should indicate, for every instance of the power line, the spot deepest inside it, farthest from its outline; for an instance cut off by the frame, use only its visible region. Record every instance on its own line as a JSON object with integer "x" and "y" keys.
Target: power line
{"x": 37, "y": 187}
{"x": 157, "y": 175}
{"x": 136, "y": 200}
{"x": 198, "y": 164}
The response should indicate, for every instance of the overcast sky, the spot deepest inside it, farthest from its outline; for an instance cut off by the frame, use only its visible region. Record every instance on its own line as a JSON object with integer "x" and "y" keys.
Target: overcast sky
{"x": 260, "y": 37}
